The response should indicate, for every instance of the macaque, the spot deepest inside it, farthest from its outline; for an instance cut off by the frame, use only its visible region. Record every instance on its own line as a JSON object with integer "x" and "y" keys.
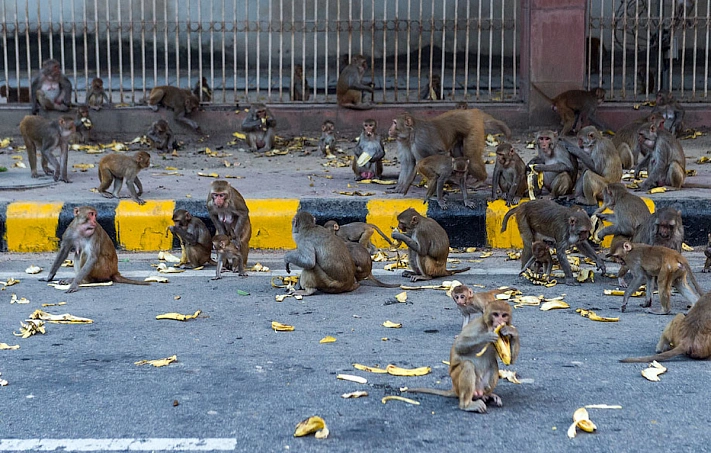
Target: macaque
{"x": 650, "y": 262}
{"x": 195, "y": 239}
{"x": 182, "y": 102}
{"x": 359, "y": 232}
{"x": 438, "y": 169}
{"x": 665, "y": 163}
{"x": 461, "y": 105}
{"x": 83, "y": 125}
{"x": 120, "y": 169}
{"x": 688, "y": 335}
{"x": 602, "y": 162}
{"x": 301, "y": 91}
{"x": 671, "y": 111}
{"x": 473, "y": 363}
{"x": 509, "y": 175}
{"x": 230, "y": 215}
{"x": 664, "y": 228}
{"x": 626, "y": 139}
{"x": 259, "y": 127}
{"x": 50, "y": 89}
{"x": 629, "y": 211}
{"x": 431, "y": 91}
{"x": 363, "y": 263}
{"x": 575, "y": 107}
{"x": 161, "y": 136}
{"x": 470, "y": 303}
{"x": 325, "y": 260}
{"x": 368, "y": 153}
{"x": 541, "y": 261}
{"x": 48, "y": 135}
{"x": 350, "y": 86}
{"x": 428, "y": 246}
{"x": 12, "y": 95}
{"x": 202, "y": 90}
{"x": 707, "y": 252}
{"x": 96, "y": 96}
{"x": 568, "y": 227}
{"x": 95, "y": 257}
{"x": 560, "y": 169}
{"x": 228, "y": 254}
{"x": 327, "y": 142}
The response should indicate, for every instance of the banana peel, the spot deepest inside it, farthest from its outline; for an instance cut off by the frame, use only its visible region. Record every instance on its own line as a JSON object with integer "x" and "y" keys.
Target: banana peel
{"x": 581, "y": 420}
{"x": 33, "y": 270}
{"x": 327, "y": 339}
{"x": 178, "y": 316}
{"x": 509, "y": 375}
{"x": 401, "y": 297}
{"x": 653, "y": 371}
{"x": 657, "y": 190}
{"x": 312, "y": 425}
{"x": 15, "y": 300}
{"x": 553, "y": 305}
{"x": 169, "y": 257}
{"x": 619, "y": 292}
{"x": 5, "y": 346}
{"x": 392, "y": 325}
{"x": 352, "y": 378}
{"x": 158, "y": 362}
{"x": 371, "y": 369}
{"x": 33, "y": 326}
{"x": 397, "y": 371}
{"x": 585, "y": 275}
{"x": 358, "y": 394}
{"x": 279, "y": 327}
{"x": 385, "y": 399}
{"x": 502, "y": 346}
{"x": 592, "y": 316}
{"x": 65, "y": 318}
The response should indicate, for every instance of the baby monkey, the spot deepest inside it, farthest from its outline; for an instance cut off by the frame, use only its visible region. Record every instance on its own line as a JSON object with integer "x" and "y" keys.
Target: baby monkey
{"x": 327, "y": 142}
{"x": 541, "y": 260}
{"x": 470, "y": 303}
{"x": 228, "y": 253}
{"x": 368, "y": 153}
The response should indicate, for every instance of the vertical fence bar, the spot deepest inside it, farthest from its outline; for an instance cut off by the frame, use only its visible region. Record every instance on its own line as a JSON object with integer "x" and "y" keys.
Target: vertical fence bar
{"x": 385, "y": 49}
{"x": 199, "y": 52}
{"x": 189, "y": 42}
{"x": 120, "y": 48}
{"x": 223, "y": 24}
{"x": 396, "y": 22}
{"x": 212, "y": 51}
{"x": 74, "y": 51}
{"x": 17, "y": 51}
{"x": 166, "y": 58}
{"x": 325, "y": 58}
{"x": 515, "y": 48}
{"x": 85, "y": 35}
{"x": 491, "y": 40}
{"x": 503, "y": 30}
{"x": 246, "y": 51}
{"x": 683, "y": 51}
{"x": 61, "y": 33}
{"x": 672, "y": 29}
{"x": 109, "y": 70}
{"x": 419, "y": 52}
{"x": 440, "y": 95}
{"x": 50, "y": 29}
{"x": 39, "y": 29}
{"x": 96, "y": 43}
{"x": 281, "y": 58}
{"x": 478, "y": 54}
{"x": 409, "y": 49}
{"x": 27, "y": 41}
{"x": 5, "y": 56}
{"x": 708, "y": 51}
{"x": 696, "y": 48}
{"x": 130, "y": 54}
{"x": 293, "y": 47}
{"x": 372, "y": 48}
{"x": 467, "y": 36}
{"x": 269, "y": 52}
{"x": 454, "y": 51}
{"x": 303, "y": 39}
{"x": 360, "y": 50}
{"x": 432, "y": 32}
{"x": 154, "y": 22}
{"x": 315, "y": 56}
{"x": 234, "y": 52}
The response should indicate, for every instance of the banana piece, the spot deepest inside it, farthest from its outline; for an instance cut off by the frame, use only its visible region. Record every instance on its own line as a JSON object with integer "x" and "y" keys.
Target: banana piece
{"x": 503, "y": 347}
{"x": 311, "y": 425}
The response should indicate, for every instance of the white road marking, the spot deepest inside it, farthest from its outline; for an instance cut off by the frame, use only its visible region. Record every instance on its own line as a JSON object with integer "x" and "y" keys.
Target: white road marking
{"x": 148, "y": 444}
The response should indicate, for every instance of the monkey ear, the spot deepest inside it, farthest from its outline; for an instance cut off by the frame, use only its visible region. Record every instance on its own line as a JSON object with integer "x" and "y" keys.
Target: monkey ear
{"x": 414, "y": 220}
{"x": 409, "y": 121}
{"x": 336, "y": 227}
{"x": 627, "y": 246}
{"x": 76, "y": 211}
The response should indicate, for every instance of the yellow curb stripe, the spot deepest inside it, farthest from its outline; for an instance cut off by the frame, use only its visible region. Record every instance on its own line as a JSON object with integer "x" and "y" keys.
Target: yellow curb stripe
{"x": 271, "y": 223}
{"x": 143, "y": 228}
{"x": 383, "y": 212}
{"x": 32, "y": 227}
{"x": 510, "y": 238}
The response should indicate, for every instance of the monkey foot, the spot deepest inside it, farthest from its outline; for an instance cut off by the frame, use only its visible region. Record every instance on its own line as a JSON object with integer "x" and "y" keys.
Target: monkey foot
{"x": 408, "y": 273}
{"x": 305, "y": 292}
{"x": 659, "y": 312}
{"x": 475, "y": 406}
{"x": 646, "y": 303}
{"x": 623, "y": 308}
{"x": 496, "y": 399}
{"x": 420, "y": 278}
{"x": 572, "y": 282}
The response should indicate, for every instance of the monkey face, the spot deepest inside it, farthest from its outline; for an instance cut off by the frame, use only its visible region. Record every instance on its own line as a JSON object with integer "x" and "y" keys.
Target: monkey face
{"x": 86, "y": 221}
{"x": 545, "y": 143}
{"x": 219, "y": 198}
{"x": 462, "y": 296}
{"x": 498, "y": 317}
{"x": 369, "y": 128}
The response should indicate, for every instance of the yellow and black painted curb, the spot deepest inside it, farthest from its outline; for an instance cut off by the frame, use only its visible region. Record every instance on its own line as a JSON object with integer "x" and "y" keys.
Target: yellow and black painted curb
{"x": 28, "y": 226}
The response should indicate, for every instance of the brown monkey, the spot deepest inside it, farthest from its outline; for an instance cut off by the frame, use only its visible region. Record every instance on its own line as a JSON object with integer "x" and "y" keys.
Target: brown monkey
{"x": 650, "y": 262}
{"x": 301, "y": 91}
{"x": 259, "y": 127}
{"x": 707, "y": 252}
{"x": 83, "y": 125}
{"x": 364, "y": 265}
{"x": 664, "y": 228}
{"x": 428, "y": 246}
{"x": 431, "y": 91}
{"x": 96, "y": 96}
{"x": 626, "y": 139}
{"x": 439, "y": 169}
{"x": 119, "y": 168}
{"x": 575, "y": 107}
{"x": 195, "y": 239}
{"x": 671, "y": 111}
{"x": 568, "y": 227}
{"x": 470, "y": 303}
{"x": 50, "y": 88}
{"x": 509, "y": 175}
{"x": 666, "y": 163}
{"x": 350, "y": 86}
{"x": 48, "y": 135}
{"x": 359, "y": 232}
{"x": 327, "y": 142}
{"x": 202, "y": 90}
{"x": 230, "y": 214}
{"x": 324, "y": 258}
{"x": 161, "y": 136}
{"x": 12, "y": 95}
{"x": 368, "y": 153}
{"x": 602, "y": 162}
{"x": 182, "y": 102}
{"x": 473, "y": 363}
{"x": 560, "y": 169}
{"x": 629, "y": 211}
{"x": 541, "y": 260}
{"x": 688, "y": 335}
{"x": 461, "y": 105}
{"x": 228, "y": 254}
{"x": 95, "y": 257}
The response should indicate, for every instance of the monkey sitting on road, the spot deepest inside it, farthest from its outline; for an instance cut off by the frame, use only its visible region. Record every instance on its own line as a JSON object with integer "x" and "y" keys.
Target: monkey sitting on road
{"x": 259, "y": 126}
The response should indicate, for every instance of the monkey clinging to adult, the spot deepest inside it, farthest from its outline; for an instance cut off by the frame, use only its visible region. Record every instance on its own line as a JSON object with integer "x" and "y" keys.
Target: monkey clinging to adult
{"x": 96, "y": 96}
{"x": 47, "y": 135}
{"x": 50, "y": 88}
{"x": 509, "y": 175}
{"x": 119, "y": 168}
{"x": 541, "y": 260}
{"x": 259, "y": 126}
{"x": 228, "y": 254}
{"x": 182, "y": 102}
{"x": 470, "y": 303}
{"x": 230, "y": 215}
{"x": 368, "y": 153}
{"x": 95, "y": 257}
{"x": 439, "y": 169}
{"x": 195, "y": 239}
{"x": 350, "y": 86}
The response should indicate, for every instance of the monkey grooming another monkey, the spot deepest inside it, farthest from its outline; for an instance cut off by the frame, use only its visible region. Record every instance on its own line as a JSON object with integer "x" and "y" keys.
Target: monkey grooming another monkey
{"x": 48, "y": 135}
{"x": 161, "y": 137}
{"x": 324, "y": 259}
{"x": 301, "y": 91}
{"x": 428, "y": 246}
{"x": 368, "y": 153}
{"x": 575, "y": 107}
{"x": 650, "y": 262}
{"x": 83, "y": 125}
{"x": 350, "y": 86}
{"x": 473, "y": 362}
{"x": 541, "y": 260}
{"x": 202, "y": 90}
{"x": 364, "y": 265}
{"x": 95, "y": 257}
{"x": 665, "y": 163}
{"x": 439, "y": 169}
{"x": 96, "y": 96}
{"x": 470, "y": 303}
{"x": 182, "y": 102}
{"x": 230, "y": 215}
{"x": 568, "y": 227}
{"x": 228, "y": 254}
{"x": 359, "y": 232}
{"x": 688, "y": 334}
{"x": 259, "y": 127}
{"x": 509, "y": 175}
{"x": 559, "y": 167}
{"x": 120, "y": 169}
{"x": 50, "y": 89}
{"x": 327, "y": 142}
{"x": 195, "y": 239}
{"x": 602, "y": 162}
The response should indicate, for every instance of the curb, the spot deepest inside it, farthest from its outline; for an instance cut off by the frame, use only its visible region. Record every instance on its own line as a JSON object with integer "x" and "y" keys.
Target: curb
{"x": 31, "y": 226}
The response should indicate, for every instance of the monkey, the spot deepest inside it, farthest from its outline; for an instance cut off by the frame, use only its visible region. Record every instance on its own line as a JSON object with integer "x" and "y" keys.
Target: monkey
{"x": 359, "y": 232}
{"x": 50, "y": 88}
{"x": 350, "y": 86}
{"x": 664, "y": 228}
{"x": 230, "y": 214}
{"x": 96, "y": 95}
{"x": 47, "y": 135}
{"x": 707, "y": 252}
{"x": 629, "y": 211}
{"x": 626, "y": 139}
{"x": 428, "y": 246}
{"x": 568, "y": 227}
{"x": 602, "y": 162}
{"x": 301, "y": 91}
{"x": 473, "y": 363}
{"x": 95, "y": 257}
{"x": 182, "y": 102}
{"x": 364, "y": 265}
{"x": 431, "y": 91}
{"x": 509, "y": 175}
{"x": 259, "y": 127}
{"x": 12, "y": 95}
{"x": 541, "y": 260}
{"x": 461, "y": 105}
{"x": 470, "y": 303}
{"x": 438, "y": 169}
{"x": 323, "y": 257}
{"x": 120, "y": 169}
{"x": 202, "y": 90}
{"x": 671, "y": 111}
{"x": 368, "y": 153}
{"x": 228, "y": 253}
{"x": 684, "y": 335}
{"x": 650, "y": 262}
{"x": 195, "y": 239}
{"x": 83, "y": 125}
{"x": 327, "y": 142}
{"x": 559, "y": 167}
{"x": 575, "y": 107}
{"x": 666, "y": 163}
{"x": 161, "y": 137}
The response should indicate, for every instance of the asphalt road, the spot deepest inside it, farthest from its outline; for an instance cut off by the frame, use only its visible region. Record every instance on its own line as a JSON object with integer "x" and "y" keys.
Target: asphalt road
{"x": 239, "y": 385}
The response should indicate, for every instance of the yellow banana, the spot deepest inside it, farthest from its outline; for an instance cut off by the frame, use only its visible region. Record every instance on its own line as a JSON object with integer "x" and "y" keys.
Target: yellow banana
{"x": 503, "y": 347}
{"x": 314, "y": 424}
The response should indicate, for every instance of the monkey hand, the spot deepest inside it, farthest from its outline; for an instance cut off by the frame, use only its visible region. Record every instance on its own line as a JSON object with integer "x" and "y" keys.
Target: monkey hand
{"x": 491, "y": 337}
{"x": 509, "y": 332}
{"x": 73, "y": 288}
{"x": 601, "y": 266}
{"x": 469, "y": 204}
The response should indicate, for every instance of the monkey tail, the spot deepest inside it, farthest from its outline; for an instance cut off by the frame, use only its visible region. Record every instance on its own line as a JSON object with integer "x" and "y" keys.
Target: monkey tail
{"x": 458, "y": 271}
{"x": 658, "y": 357}
{"x": 118, "y": 278}
{"x": 491, "y": 122}
{"x": 542, "y": 93}
{"x": 380, "y": 232}
{"x": 376, "y": 282}
{"x": 693, "y": 279}
{"x": 509, "y": 213}
{"x": 445, "y": 393}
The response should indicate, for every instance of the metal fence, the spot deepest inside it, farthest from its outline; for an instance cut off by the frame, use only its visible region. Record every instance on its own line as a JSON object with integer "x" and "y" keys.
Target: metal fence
{"x": 247, "y": 50}
{"x": 636, "y": 47}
